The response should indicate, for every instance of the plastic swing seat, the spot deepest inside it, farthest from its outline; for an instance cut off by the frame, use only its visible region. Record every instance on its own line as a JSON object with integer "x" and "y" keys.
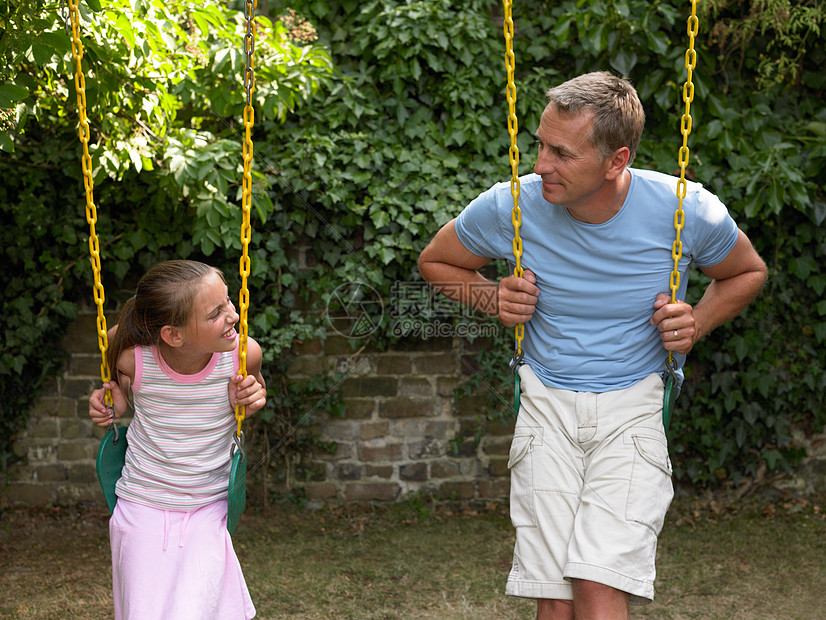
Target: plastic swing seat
{"x": 670, "y": 393}
{"x": 237, "y": 495}
{"x": 109, "y": 464}
{"x": 669, "y": 398}
{"x": 112, "y": 456}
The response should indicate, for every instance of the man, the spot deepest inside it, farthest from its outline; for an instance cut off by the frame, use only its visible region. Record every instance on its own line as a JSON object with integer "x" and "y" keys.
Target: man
{"x": 590, "y": 473}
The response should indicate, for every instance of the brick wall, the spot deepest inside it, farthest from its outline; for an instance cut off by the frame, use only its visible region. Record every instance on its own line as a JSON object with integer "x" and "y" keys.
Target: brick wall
{"x": 393, "y": 441}
{"x": 395, "y": 437}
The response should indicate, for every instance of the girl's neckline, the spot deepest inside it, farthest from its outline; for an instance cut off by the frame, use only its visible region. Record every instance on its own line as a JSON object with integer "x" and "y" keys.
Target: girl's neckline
{"x": 185, "y": 377}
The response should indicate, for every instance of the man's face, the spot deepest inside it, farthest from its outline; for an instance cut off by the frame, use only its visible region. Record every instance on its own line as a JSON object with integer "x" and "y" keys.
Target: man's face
{"x": 572, "y": 169}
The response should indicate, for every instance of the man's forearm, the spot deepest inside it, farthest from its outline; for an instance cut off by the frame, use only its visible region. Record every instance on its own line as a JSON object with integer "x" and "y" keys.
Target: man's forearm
{"x": 466, "y": 286}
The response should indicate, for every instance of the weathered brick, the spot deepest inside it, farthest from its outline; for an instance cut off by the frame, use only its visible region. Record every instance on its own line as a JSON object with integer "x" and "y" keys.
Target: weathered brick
{"x": 498, "y": 466}
{"x": 57, "y": 406}
{"x": 51, "y": 473}
{"x": 75, "y": 429}
{"x": 393, "y": 365}
{"x": 19, "y": 472}
{"x": 371, "y": 491}
{"x": 43, "y": 428}
{"x": 413, "y": 471}
{"x": 338, "y": 345}
{"x": 348, "y": 471}
{"x": 82, "y": 474}
{"x": 50, "y": 388}
{"x": 75, "y": 451}
{"x": 444, "y": 469}
{"x": 498, "y": 488}
{"x": 342, "y": 450}
{"x": 410, "y": 428}
{"x": 31, "y": 494}
{"x": 378, "y": 471}
{"x": 359, "y": 408}
{"x": 40, "y": 451}
{"x": 438, "y": 429}
{"x": 500, "y": 429}
{"x": 369, "y": 386}
{"x": 467, "y": 447}
{"x": 79, "y": 388}
{"x": 307, "y": 347}
{"x": 85, "y": 365}
{"x": 80, "y": 492}
{"x": 496, "y": 445}
{"x": 427, "y": 449}
{"x": 383, "y": 453}
{"x": 406, "y": 408}
{"x": 320, "y": 490}
{"x": 19, "y": 449}
{"x": 81, "y": 335}
{"x": 419, "y": 345}
{"x": 307, "y": 366}
{"x": 373, "y": 430}
{"x": 469, "y": 406}
{"x": 436, "y": 364}
{"x": 455, "y": 490}
{"x": 445, "y": 386}
{"x": 415, "y": 386}
{"x": 340, "y": 430}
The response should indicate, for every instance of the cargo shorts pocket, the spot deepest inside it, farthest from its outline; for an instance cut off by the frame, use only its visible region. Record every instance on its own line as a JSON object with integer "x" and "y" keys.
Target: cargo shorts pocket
{"x": 520, "y": 464}
{"x": 650, "y": 491}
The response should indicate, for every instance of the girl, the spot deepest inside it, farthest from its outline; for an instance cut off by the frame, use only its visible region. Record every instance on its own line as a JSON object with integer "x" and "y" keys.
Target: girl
{"x": 175, "y": 349}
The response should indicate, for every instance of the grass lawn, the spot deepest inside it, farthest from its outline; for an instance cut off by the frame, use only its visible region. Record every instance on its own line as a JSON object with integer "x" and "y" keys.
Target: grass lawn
{"x": 756, "y": 560}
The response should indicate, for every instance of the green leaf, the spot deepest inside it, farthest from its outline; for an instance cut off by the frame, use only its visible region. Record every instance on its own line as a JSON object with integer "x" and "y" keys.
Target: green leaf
{"x": 624, "y": 61}
{"x": 11, "y": 93}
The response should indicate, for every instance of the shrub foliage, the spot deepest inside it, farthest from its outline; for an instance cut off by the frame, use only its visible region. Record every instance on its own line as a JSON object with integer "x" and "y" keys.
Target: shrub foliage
{"x": 373, "y": 136}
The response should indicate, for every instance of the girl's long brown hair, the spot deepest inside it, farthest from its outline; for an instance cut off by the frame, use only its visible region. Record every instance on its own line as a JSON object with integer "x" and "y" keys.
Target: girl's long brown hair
{"x": 165, "y": 296}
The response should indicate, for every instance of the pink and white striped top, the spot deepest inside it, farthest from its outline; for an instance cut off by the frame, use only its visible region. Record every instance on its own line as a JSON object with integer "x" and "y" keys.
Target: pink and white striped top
{"x": 178, "y": 457}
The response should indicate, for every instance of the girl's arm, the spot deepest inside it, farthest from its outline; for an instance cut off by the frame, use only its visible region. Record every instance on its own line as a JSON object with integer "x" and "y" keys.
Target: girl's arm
{"x": 120, "y": 387}
{"x": 250, "y": 391}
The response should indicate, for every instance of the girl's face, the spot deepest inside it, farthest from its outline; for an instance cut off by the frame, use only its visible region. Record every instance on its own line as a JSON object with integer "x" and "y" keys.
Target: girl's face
{"x": 212, "y": 327}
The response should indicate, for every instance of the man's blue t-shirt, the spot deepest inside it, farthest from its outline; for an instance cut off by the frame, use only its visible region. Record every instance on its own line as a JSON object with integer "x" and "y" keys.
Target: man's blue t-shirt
{"x": 598, "y": 282}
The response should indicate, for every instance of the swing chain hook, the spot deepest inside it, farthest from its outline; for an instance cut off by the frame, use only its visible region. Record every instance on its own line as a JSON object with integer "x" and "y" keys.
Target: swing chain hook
{"x": 64, "y": 13}
{"x": 113, "y": 425}
{"x": 238, "y": 443}
{"x": 516, "y": 361}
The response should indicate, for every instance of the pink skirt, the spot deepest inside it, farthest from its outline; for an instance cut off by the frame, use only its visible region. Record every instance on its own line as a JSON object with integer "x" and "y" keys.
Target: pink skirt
{"x": 170, "y": 564}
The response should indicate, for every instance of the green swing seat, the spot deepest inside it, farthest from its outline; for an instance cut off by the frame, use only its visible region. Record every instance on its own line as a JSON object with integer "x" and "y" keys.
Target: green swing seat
{"x": 112, "y": 456}
{"x": 237, "y": 495}
{"x": 109, "y": 464}
{"x": 670, "y": 393}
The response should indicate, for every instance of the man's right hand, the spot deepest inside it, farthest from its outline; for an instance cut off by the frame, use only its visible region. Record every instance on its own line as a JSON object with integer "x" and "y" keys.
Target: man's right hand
{"x": 517, "y": 298}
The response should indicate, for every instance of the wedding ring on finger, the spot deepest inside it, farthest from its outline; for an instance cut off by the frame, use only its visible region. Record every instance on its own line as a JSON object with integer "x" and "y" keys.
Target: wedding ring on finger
{"x": 675, "y": 335}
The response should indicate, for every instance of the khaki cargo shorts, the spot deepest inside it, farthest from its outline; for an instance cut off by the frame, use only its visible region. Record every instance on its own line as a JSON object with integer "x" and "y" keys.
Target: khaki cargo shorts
{"x": 590, "y": 486}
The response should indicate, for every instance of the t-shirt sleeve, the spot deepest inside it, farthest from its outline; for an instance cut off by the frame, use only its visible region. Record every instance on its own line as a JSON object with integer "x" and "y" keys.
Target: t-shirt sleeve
{"x": 480, "y": 226}
{"x": 716, "y": 230}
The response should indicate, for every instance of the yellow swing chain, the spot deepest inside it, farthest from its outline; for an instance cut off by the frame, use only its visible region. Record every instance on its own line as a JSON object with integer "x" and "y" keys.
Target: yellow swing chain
{"x": 91, "y": 210}
{"x": 513, "y": 128}
{"x": 685, "y": 130}
{"x": 246, "y": 199}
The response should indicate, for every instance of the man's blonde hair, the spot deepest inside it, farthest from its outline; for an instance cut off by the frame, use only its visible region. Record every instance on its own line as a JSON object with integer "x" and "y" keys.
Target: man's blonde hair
{"x": 618, "y": 114}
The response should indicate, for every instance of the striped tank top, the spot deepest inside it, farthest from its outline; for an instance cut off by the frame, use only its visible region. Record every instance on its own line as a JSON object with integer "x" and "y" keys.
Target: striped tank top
{"x": 180, "y": 437}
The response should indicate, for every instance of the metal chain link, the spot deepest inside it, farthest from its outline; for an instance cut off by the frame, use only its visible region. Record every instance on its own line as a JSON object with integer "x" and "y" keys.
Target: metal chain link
{"x": 513, "y": 152}
{"x": 683, "y": 155}
{"x": 91, "y": 210}
{"x": 246, "y": 200}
